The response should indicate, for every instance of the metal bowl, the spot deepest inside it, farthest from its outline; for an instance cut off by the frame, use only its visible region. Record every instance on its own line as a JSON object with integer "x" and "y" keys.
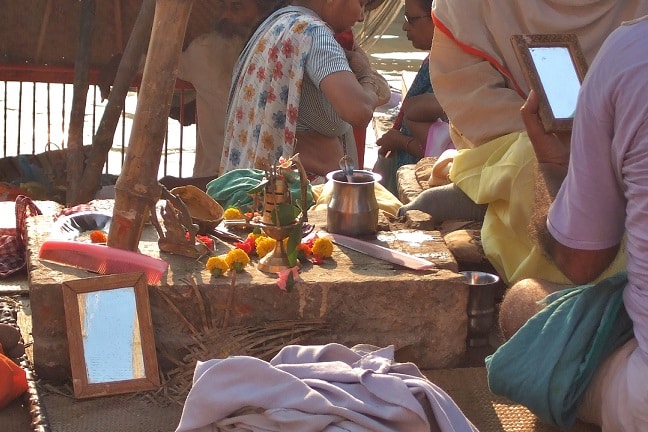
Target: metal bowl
{"x": 480, "y": 278}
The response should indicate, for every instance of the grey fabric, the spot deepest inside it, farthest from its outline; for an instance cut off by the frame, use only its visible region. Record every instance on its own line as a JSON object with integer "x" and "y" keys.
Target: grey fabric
{"x": 444, "y": 203}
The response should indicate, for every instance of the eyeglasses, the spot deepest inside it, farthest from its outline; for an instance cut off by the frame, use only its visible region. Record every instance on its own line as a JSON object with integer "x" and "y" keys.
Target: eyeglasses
{"x": 413, "y": 19}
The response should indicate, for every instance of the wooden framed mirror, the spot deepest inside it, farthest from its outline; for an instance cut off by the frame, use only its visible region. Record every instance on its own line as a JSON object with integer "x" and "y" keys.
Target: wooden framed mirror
{"x": 554, "y": 67}
{"x": 110, "y": 334}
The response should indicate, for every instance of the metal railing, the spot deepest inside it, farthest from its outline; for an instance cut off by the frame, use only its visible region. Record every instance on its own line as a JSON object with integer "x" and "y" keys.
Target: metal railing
{"x": 35, "y": 106}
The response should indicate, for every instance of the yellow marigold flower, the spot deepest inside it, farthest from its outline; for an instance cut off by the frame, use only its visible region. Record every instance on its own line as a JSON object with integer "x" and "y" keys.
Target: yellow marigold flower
{"x": 217, "y": 265}
{"x": 237, "y": 259}
{"x": 257, "y": 236}
{"x": 232, "y": 213}
{"x": 264, "y": 245}
{"x": 323, "y": 247}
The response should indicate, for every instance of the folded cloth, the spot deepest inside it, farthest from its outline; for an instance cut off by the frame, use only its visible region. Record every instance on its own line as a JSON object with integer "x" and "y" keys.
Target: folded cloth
{"x": 317, "y": 388}
{"x": 548, "y": 364}
{"x": 231, "y": 189}
{"x": 13, "y": 240}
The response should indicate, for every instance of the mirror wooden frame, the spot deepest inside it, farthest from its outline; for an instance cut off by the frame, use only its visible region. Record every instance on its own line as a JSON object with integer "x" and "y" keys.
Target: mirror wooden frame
{"x": 522, "y": 45}
{"x": 83, "y": 388}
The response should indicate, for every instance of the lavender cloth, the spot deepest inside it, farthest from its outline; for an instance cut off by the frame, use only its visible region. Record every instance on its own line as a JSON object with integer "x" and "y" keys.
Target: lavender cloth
{"x": 317, "y": 388}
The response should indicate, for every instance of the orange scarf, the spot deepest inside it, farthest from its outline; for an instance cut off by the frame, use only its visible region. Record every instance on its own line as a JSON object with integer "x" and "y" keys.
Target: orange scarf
{"x": 13, "y": 380}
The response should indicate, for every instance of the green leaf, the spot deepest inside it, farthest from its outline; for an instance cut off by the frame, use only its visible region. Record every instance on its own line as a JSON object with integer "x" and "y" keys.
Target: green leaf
{"x": 284, "y": 214}
{"x": 259, "y": 187}
{"x": 294, "y": 239}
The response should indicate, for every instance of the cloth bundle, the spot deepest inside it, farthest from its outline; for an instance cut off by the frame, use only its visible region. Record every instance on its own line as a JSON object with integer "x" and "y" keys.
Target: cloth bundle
{"x": 12, "y": 240}
{"x": 317, "y": 388}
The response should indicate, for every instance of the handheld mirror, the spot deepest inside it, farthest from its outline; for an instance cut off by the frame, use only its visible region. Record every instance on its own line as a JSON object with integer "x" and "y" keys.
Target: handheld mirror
{"x": 110, "y": 334}
{"x": 554, "y": 66}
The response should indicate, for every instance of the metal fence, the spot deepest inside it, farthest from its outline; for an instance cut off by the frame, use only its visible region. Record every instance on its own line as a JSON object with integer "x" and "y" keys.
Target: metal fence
{"x": 35, "y": 116}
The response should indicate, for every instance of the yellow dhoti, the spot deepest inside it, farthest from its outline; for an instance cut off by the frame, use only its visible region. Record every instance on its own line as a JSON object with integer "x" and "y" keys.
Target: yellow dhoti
{"x": 501, "y": 173}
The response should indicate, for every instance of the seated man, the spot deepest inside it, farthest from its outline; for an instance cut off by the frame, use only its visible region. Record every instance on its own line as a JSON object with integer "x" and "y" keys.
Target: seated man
{"x": 585, "y": 351}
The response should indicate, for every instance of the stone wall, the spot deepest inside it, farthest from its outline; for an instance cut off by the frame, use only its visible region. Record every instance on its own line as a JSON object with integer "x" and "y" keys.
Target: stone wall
{"x": 358, "y": 299}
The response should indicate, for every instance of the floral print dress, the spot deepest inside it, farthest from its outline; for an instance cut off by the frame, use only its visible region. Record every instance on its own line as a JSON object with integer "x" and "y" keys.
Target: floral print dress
{"x": 264, "y": 100}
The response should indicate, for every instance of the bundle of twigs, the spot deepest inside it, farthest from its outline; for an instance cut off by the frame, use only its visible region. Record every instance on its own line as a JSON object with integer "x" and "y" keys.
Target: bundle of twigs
{"x": 217, "y": 340}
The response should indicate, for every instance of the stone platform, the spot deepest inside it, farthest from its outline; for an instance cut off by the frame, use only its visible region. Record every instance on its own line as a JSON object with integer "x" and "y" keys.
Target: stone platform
{"x": 359, "y": 299}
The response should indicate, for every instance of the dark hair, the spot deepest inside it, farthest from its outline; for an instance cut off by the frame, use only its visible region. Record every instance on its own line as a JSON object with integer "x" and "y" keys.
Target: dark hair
{"x": 425, "y": 4}
{"x": 269, "y": 6}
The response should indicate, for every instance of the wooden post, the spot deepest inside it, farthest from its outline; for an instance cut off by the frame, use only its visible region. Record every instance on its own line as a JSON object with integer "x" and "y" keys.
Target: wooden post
{"x": 77, "y": 114}
{"x": 137, "y": 189}
{"x": 128, "y": 68}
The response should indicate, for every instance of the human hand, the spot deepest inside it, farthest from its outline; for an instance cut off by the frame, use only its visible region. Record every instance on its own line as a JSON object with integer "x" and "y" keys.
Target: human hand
{"x": 390, "y": 141}
{"x": 550, "y": 148}
{"x": 358, "y": 61}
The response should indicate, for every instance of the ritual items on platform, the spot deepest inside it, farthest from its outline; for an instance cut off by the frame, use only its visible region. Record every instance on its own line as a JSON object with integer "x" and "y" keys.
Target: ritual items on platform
{"x": 281, "y": 216}
{"x": 188, "y": 215}
{"x": 205, "y": 211}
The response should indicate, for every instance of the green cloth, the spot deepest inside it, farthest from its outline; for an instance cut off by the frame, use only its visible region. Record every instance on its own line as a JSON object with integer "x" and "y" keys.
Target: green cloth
{"x": 230, "y": 189}
{"x": 548, "y": 364}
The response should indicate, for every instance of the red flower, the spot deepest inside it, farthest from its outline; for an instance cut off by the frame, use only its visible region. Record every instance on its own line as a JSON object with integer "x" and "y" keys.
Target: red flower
{"x": 207, "y": 241}
{"x": 247, "y": 245}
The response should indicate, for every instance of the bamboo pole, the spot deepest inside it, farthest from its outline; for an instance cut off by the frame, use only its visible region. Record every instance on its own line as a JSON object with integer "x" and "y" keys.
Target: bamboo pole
{"x": 79, "y": 99}
{"x": 43, "y": 31}
{"x": 137, "y": 189}
{"x": 128, "y": 68}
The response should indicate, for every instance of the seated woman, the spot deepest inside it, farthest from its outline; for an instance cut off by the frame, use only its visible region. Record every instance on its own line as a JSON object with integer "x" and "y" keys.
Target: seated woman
{"x": 295, "y": 90}
{"x": 406, "y": 142}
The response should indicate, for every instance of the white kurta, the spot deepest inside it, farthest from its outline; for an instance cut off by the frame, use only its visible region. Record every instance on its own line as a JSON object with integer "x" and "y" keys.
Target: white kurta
{"x": 207, "y": 64}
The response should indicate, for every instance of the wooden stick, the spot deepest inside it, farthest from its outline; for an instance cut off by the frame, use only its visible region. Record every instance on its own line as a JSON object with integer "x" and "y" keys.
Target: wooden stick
{"x": 43, "y": 31}
{"x": 77, "y": 113}
{"x": 119, "y": 40}
{"x": 137, "y": 187}
{"x": 128, "y": 68}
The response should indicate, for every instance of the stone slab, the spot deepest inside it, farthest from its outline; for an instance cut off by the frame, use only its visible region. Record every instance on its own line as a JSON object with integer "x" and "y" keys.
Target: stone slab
{"x": 359, "y": 298}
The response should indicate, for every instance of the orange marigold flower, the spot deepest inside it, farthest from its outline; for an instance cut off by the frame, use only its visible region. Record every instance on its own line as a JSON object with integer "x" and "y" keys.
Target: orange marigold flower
{"x": 232, "y": 213}
{"x": 97, "y": 236}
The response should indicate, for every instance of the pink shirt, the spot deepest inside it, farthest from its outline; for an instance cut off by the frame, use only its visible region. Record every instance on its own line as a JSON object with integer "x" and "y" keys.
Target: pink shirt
{"x": 605, "y": 194}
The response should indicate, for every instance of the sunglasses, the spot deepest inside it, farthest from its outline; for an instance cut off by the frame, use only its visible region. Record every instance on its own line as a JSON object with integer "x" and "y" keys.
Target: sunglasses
{"x": 412, "y": 19}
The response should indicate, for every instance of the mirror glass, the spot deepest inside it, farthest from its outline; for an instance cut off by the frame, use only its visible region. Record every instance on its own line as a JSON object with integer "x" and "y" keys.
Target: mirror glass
{"x": 111, "y": 337}
{"x": 558, "y": 77}
{"x": 554, "y": 67}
